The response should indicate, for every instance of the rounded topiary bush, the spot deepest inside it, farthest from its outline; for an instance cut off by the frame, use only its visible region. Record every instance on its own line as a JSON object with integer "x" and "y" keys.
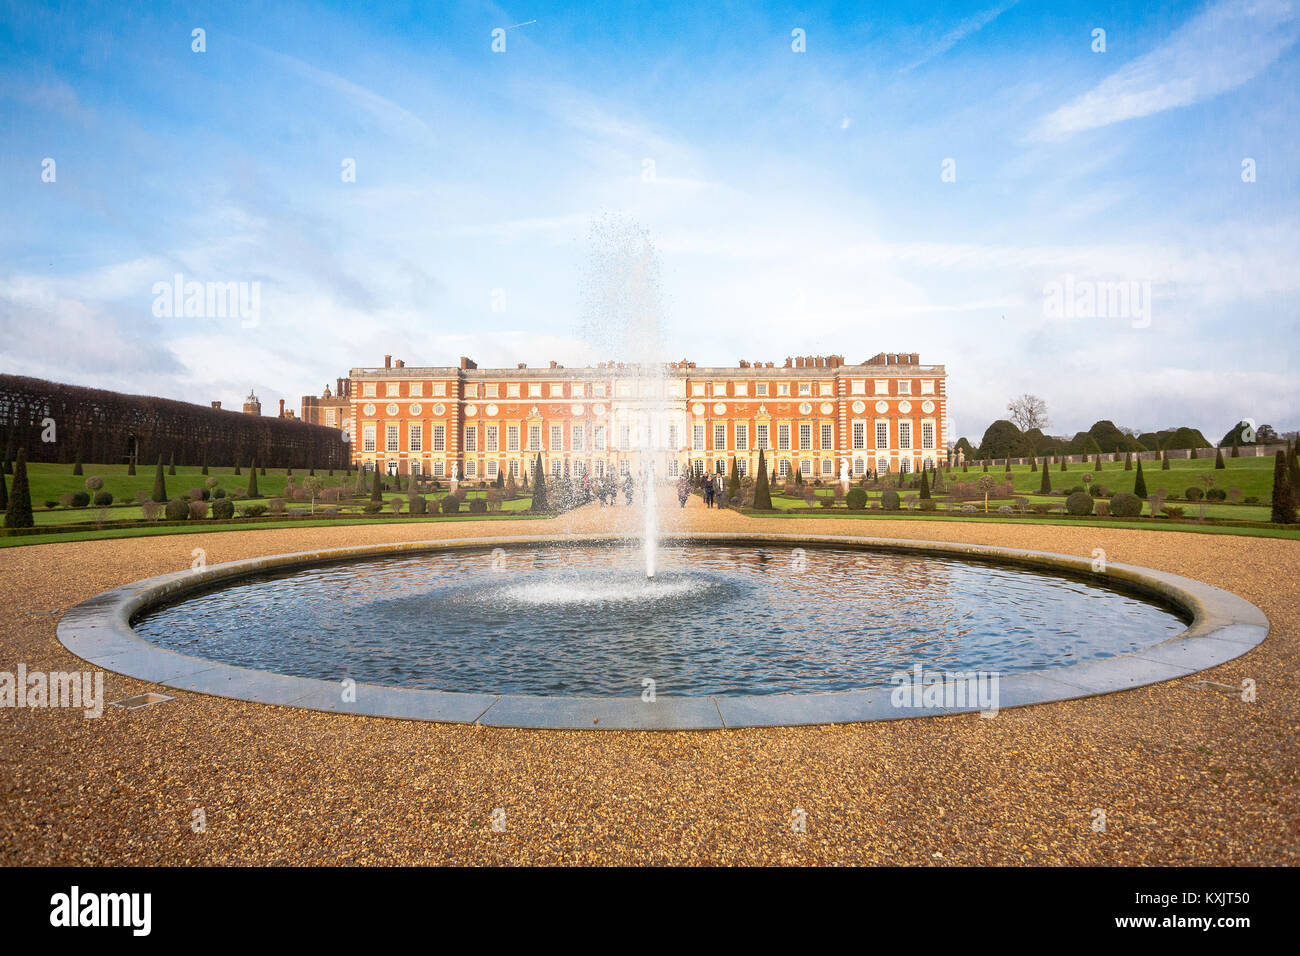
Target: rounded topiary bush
{"x": 1125, "y": 505}
{"x": 219, "y": 493}
{"x": 223, "y": 508}
{"x": 478, "y": 506}
{"x": 1193, "y": 494}
{"x": 418, "y": 505}
{"x": 178, "y": 509}
{"x": 450, "y": 505}
{"x": 103, "y": 498}
{"x": 889, "y": 500}
{"x": 857, "y": 499}
{"x": 1006, "y": 510}
{"x": 198, "y": 510}
{"x": 80, "y": 499}
{"x": 1079, "y": 503}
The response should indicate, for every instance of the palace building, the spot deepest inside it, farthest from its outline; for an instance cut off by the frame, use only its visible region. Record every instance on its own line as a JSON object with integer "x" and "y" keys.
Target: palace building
{"x": 812, "y": 414}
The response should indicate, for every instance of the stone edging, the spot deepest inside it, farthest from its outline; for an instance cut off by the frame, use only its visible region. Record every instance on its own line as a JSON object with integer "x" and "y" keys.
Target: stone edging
{"x": 1224, "y": 626}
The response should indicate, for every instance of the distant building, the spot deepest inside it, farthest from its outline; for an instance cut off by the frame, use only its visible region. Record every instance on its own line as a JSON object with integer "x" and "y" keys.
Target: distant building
{"x": 814, "y": 415}
{"x": 252, "y": 405}
{"x": 332, "y": 409}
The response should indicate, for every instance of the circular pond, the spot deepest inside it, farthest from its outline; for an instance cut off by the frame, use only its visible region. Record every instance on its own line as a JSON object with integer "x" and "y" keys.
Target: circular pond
{"x": 718, "y": 620}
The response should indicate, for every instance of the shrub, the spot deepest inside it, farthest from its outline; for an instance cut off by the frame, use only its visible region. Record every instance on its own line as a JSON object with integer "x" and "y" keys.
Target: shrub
{"x": 1020, "y": 504}
{"x": 418, "y": 505}
{"x": 1251, "y": 499}
{"x": 1098, "y": 490}
{"x": 275, "y": 506}
{"x": 826, "y": 502}
{"x": 196, "y": 494}
{"x": 198, "y": 509}
{"x": 103, "y": 498}
{"x": 151, "y": 510}
{"x": 1125, "y": 505}
{"x": 1041, "y": 507}
{"x": 450, "y": 505}
{"x": 478, "y": 506}
{"x": 857, "y": 498}
{"x": 1193, "y": 494}
{"x": 219, "y": 493}
{"x": 94, "y": 483}
{"x": 253, "y": 511}
{"x": 969, "y": 510}
{"x": 373, "y": 507}
{"x": 1217, "y": 494}
{"x": 50, "y": 503}
{"x": 65, "y": 499}
{"x": 223, "y": 508}
{"x": 177, "y": 510}
{"x": 929, "y": 504}
{"x": 1076, "y": 490}
{"x": 1172, "y": 511}
{"x": 1102, "y": 508}
{"x": 1079, "y": 503}
{"x": 1005, "y": 510}
{"x": 888, "y": 500}
{"x": 80, "y": 499}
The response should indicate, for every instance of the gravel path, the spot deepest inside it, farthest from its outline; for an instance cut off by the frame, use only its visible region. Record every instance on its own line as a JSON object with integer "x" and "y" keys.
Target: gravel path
{"x": 1183, "y": 774}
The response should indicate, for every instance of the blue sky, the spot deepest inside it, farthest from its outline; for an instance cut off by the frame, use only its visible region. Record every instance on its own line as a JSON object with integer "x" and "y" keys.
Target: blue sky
{"x": 797, "y": 201}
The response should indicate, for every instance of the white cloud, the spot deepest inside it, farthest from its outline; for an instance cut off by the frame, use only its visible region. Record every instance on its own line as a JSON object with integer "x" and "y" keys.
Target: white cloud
{"x": 1217, "y": 50}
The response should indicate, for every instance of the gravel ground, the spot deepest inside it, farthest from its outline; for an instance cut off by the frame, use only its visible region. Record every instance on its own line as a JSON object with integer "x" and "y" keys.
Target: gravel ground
{"x": 1184, "y": 774}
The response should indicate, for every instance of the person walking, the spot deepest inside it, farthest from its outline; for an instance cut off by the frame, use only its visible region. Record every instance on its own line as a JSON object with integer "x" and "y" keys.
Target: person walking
{"x": 708, "y": 491}
{"x": 683, "y": 490}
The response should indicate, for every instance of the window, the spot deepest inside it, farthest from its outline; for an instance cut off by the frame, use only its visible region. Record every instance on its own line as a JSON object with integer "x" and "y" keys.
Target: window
{"x": 598, "y": 390}
{"x": 882, "y": 386}
{"x": 416, "y": 389}
{"x": 392, "y": 389}
{"x": 598, "y": 438}
{"x": 557, "y": 438}
{"x": 471, "y": 390}
{"x": 761, "y": 437}
{"x": 927, "y": 435}
{"x": 805, "y": 467}
{"x": 512, "y": 470}
{"x": 860, "y": 466}
{"x": 828, "y": 434}
{"x": 674, "y": 441}
{"x": 416, "y": 438}
{"x": 555, "y": 468}
{"x": 698, "y": 437}
{"x": 437, "y": 468}
{"x": 623, "y": 468}
{"x": 760, "y": 389}
{"x": 439, "y": 438}
{"x": 742, "y": 438}
{"x": 720, "y": 466}
{"x": 904, "y": 434}
{"x": 805, "y": 388}
{"x": 490, "y": 438}
{"x": 368, "y": 389}
{"x": 697, "y": 389}
{"x": 492, "y": 391}
{"x": 859, "y": 434}
{"x": 600, "y": 468}
{"x": 782, "y": 388}
{"x": 740, "y": 389}
{"x": 742, "y": 466}
{"x": 783, "y": 468}
{"x": 471, "y": 469}
{"x": 904, "y": 466}
{"x": 329, "y": 416}
{"x": 858, "y": 386}
{"x": 904, "y": 386}
{"x": 826, "y": 389}
{"x": 882, "y": 434}
{"x": 576, "y": 437}
{"x": 927, "y": 386}
{"x": 828, "y": 466}
{"x": 672, "y": 467}
{"x": 557, "y": 390}
{"x": 719, "y": 436}
{"x": 390, "y": 438}
{"x": 512, "y": 438}
{"x": 534, "y": 389}
{"x": 783, "y": 437}
{"x": 625, "y": 437}
{"x": 697, "y": 467}
{"x": 491, "y": 469}
{"x": 512, "y": 390}
{"x": 367, "y": 437}
{"x": 805, "y": 437}
{"x": 471, "y": 438}
{"x": 882, "y": 466}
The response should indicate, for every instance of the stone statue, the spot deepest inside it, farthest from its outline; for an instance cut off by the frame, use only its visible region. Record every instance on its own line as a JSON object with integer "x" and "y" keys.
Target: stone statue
{"x": 844, "y": 474}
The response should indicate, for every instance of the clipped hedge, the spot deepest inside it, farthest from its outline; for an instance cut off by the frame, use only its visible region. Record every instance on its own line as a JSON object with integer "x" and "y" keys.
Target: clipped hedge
{"x": 1126, "y": 505}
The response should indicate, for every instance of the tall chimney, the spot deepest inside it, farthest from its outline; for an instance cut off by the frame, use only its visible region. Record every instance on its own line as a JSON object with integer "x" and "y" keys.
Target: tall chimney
{"x": 388, "y": 361}
{"x": 282, "y": 408}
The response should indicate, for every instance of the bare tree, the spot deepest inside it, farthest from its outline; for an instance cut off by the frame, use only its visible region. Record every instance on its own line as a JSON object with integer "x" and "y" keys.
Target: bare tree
{"x": 1028, "y": 411}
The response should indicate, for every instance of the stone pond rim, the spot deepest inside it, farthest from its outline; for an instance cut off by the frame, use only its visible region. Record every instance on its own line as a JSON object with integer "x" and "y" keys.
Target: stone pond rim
{"x": 1223, "y": 627}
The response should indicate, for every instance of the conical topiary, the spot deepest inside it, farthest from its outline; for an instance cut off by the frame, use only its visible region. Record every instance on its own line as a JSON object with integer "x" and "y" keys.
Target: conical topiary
{"x": 1128, "y": 461}
{"x": 1164, "y": 461}
{"x": 1283, "y": 495}
{"x": 130, "y": 467}
{"x": 1045, "y": 486}
{"x": 733, "y": 482}
{"x": 925, "y": 484}
{"x": 377, "y": 489}
{"x": 539, "y": 486}
{"x": 19, "y": 512}
{"x": 1218, "y": 460}
{"x": 1236, "y": 447}
{"x": 4, "y": 492}
{"x": 204, "y": 470}
{"x": 76, "y": 464}
{"x": 762, "y": 487}
{"x": 159, "y": 483}
{"x": 171, "y": 467}
{"x": 1033, "y": 464}
{"x": 1140, "y": 482}
{"x": 252, "y": 479}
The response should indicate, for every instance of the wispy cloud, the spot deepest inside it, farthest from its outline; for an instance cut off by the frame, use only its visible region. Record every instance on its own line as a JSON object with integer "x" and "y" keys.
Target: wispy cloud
{"x": 1219, "y": 49}
{"x": 960, "y": 32}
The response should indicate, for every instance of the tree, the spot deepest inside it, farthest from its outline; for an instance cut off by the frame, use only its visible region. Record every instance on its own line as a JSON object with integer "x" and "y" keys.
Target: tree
{"x": 1140, "y": 482}
{"x": 733, "y": 482}
{"x": 1283, "y": 494}
{"x": 539, "y": 486}
{"x": 171, "y": 467}
{"x": 377, "y": 489}
{"x": 1003, "y": 439}
{"x": 313, "y": 486}
{"x": 925, "y": 486}
{"x": 76, "y": 464}
{"x": 1164, "y": 461}
{"x": 205, "y": 462}
{"x": 159, "y": 484}
{"x": 252, "y": 478}
{"x": 1128, "y": 461}
{"x": 1045, "y": 486}
{"x": 1236, "y": 447}
{"x": 1218, "y": 460}
{"x": 762, "y": 487}
{"x": 19, "y": 512}
{"x": 986, "y": 484}
{"x": 1028, "y": 411}
{"x": 4, "y": 492}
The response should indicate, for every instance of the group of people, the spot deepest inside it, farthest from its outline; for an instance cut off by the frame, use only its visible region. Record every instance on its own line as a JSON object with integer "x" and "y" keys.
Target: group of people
{"x": 712, "y": 488}
{"x": 605, "y": 490}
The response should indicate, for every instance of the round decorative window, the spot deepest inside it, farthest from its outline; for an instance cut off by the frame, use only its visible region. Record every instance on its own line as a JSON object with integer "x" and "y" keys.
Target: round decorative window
{"x": 927, "y": 406}
{"x": 697, "y": 408}
{"x": 490, "y": 410}
{"x": 904, "y": 407}
{"x": 860, "y": 407}
{"x": 471, "y": 411}
{"x": 575, "y": 410}
{"x": 440, "y": 409}
{"x": 882, "y": 407}
{"x": 805, "y": 409}
{"x": 416, "y": 409}
{"x": 391, "y": 408}
{"x": 719, "y": 409}
{"x": 369, "y": 409}
{"x": 598, "y": 409}
{"x": 827, "y": 408}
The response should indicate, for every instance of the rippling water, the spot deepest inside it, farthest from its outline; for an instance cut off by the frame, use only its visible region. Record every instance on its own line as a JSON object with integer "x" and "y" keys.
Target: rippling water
{"x": 716, "y": 620}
